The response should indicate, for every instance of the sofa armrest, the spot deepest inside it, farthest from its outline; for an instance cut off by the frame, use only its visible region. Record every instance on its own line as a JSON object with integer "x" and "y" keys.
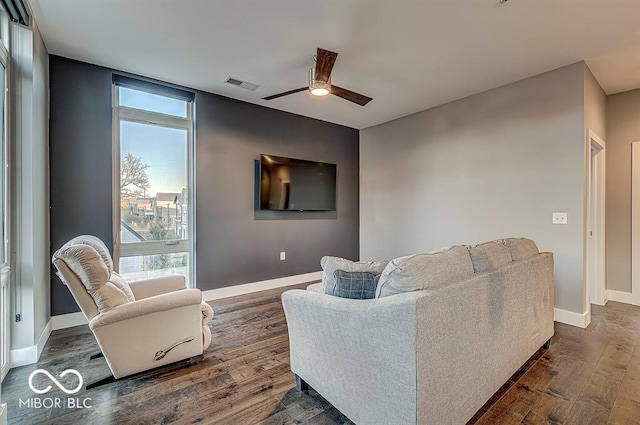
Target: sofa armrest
{"x": 149, "y": 305}
{"x": 355, "y": 350}
{"x": 160, "y": 285}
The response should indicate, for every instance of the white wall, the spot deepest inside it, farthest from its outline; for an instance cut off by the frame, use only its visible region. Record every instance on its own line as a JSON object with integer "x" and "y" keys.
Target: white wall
{"x": 42, "y": 261}
{"x": 30, "y": 205}
{"x": 595, "y": 106}
{"x": 623, "y": 128}
{"x": 493, "y": 165}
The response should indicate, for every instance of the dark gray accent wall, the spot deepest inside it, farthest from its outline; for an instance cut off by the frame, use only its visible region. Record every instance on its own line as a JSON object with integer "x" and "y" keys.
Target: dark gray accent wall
{"x": 80, "y": 160}
{"x": 235, "y": 244}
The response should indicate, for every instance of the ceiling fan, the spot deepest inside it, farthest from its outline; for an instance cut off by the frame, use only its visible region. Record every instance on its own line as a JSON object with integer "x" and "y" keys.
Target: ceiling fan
{"x": 320, "y": 81}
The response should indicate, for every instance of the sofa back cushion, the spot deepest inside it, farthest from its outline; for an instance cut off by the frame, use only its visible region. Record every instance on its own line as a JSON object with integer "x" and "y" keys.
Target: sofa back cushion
{"x": 425, "y": 271}
{"x": 331, "y": 264}
{"x": 521, "y": 248}
{"x": 355, "y": 285}
{"x": 489, "y": 256}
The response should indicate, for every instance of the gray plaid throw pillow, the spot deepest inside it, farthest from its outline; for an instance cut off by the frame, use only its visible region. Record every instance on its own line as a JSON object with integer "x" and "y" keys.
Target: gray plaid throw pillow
{"x": 355, "y": 285}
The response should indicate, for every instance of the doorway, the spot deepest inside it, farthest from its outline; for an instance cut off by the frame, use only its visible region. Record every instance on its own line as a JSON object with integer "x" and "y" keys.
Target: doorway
{"x": 595, "y": 237}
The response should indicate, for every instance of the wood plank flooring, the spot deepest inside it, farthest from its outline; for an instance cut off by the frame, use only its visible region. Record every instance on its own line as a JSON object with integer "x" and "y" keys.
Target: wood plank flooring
{"x": 588, "y": 376}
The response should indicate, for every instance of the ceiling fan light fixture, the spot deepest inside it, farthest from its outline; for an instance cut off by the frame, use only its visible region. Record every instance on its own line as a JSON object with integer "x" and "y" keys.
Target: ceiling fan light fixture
{"x": 319, "y": 91}
{"x": 318, "y": 87}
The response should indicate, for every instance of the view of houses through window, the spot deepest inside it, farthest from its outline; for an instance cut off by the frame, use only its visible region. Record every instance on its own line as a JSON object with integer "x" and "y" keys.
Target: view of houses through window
{"x": 153, "y": 141}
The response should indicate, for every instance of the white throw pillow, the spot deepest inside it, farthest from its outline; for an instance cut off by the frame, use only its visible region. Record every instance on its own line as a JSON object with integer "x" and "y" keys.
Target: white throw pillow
{"x": 331, "y": 264}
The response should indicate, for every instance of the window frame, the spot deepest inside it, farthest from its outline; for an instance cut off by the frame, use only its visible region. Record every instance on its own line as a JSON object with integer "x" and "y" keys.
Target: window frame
{"x": 140, "y": 116}
{"x": 6, "y": 191}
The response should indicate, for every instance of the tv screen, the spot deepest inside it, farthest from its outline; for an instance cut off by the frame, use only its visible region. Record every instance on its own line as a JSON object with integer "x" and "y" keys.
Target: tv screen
{"x": 288, "y": 184}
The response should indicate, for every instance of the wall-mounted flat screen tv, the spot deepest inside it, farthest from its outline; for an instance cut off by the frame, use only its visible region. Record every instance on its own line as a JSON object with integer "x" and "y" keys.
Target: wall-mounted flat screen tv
{"x": 288, "y": 184}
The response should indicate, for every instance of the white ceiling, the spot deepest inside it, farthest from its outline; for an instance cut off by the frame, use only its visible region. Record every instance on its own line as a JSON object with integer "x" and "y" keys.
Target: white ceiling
{"x": 407, "y": 55}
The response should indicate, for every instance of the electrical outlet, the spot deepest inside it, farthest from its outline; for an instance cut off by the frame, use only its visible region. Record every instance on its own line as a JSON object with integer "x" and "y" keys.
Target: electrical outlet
{"x": 560, "y": 218}
{"x": 283, "y": 256}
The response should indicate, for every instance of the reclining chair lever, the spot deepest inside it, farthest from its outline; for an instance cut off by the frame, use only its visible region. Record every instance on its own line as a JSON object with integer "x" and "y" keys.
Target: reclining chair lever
{"x": 161, "y": 353}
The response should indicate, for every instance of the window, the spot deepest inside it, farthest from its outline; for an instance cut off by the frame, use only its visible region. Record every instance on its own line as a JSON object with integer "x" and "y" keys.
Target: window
{"x": 153, "y": 182}
{"x": 5, "y": 197}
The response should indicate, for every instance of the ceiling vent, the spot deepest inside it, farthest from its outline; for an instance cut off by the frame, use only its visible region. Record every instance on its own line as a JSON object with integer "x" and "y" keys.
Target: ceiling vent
{"x": 240, "y": 83}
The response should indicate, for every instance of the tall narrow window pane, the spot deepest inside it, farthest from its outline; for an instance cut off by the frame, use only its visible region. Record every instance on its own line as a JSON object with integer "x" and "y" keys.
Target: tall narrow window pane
{"x": 4, "y": 258}
{"x": 153, "y": 182}
{"x": 154, "y": 141}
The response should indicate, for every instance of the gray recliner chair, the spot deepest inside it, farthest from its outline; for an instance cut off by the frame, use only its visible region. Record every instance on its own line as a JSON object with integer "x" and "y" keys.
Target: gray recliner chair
{"x": 140, "y": 325}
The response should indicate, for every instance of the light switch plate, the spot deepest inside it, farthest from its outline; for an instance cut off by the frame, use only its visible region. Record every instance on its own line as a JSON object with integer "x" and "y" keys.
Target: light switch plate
{"x": 560, "y": 218}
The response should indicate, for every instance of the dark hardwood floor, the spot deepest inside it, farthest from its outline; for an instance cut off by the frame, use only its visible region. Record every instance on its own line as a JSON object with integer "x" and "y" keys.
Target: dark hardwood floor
{"x": 588, "y": 376}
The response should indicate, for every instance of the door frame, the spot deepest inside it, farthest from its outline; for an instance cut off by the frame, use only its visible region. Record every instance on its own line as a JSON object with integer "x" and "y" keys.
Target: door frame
{"x": 635, "y": 218}
{"x": 7, "y": 194}
{"x": 595, "y": 269}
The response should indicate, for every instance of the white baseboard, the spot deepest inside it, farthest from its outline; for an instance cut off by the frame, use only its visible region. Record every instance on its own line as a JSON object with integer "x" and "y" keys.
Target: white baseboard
{"x": 44, "y": 337}
{"x": 248, "y": 288}
{"x": 3, "y": 414}
{"x": 23, "y": 356}
{"x": 30, "y": 355}
{"x": 622, "y": 297}
{"x": 5, "y": 370}
{"x": 580, "y": 320}
{"x": 69, "y": 320}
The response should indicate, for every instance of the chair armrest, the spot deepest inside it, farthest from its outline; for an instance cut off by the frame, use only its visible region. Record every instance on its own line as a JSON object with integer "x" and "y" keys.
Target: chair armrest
{"x": 146, "y": 306}
{"x": 160, "y": 285}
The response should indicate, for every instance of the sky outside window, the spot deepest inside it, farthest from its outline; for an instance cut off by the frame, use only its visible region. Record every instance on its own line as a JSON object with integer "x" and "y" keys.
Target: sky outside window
{"x": 163, "y": 149}
{"x": 152, "y": 102}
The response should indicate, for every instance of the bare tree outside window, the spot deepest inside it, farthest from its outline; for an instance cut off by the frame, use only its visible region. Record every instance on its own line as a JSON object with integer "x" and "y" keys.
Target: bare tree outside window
{"x": 134, "y": 180}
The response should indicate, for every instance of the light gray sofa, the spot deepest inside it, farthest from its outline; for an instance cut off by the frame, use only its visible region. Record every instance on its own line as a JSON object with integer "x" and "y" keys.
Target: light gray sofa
{"x": 432, "y": 356}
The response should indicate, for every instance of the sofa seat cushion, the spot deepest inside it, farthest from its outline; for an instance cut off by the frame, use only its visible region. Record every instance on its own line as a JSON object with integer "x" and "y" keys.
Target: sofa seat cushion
{"x": 331, "y": 264}
{"x": 489, "y": 256}
{"x": 355, "y": 285}
{"x": 315, "y": 287}
{"x": 521, "y": 248}
{"x": 425, "y": 271}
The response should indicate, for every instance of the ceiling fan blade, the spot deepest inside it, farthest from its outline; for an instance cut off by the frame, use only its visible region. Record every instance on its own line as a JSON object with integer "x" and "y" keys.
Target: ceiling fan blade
{"x": 351, "y": 96}
{"x": 324, "y": 64}
{"x": 286, "y": 93}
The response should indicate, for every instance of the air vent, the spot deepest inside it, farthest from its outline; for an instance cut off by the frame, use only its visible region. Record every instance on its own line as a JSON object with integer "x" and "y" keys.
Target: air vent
{"x": 240, "y": 83}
